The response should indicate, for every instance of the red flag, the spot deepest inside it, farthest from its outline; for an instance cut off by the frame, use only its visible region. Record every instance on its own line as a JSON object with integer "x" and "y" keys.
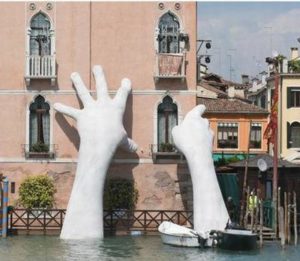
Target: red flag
{"x": 272, "y": 126}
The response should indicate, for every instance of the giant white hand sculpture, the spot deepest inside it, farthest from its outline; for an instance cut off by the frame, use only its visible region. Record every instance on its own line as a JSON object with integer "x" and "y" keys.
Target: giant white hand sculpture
{"x": 101, "y": 131}
{"x": 194, "y": 138}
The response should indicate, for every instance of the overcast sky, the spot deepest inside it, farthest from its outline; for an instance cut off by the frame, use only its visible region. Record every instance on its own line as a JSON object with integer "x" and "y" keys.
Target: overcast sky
{"x": 248, "y": 32}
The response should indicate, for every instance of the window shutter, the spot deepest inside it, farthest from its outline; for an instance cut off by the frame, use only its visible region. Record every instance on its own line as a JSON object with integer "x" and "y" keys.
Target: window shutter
{"x": 288, "y": 134}
{"x": 288, "y": 102}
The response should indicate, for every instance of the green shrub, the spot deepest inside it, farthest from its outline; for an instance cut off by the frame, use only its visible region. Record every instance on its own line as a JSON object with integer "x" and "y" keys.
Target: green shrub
{"x": 120, "y": 194}
{"x": 39, "y": 147}
{"x": 294, "y": 66}
{"x": 37, "y": 192}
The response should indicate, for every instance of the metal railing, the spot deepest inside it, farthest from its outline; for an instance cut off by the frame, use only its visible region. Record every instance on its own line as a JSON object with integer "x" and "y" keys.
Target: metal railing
{"x": 40, "y": 66}
{"x": 140, "y": 220}
{"x": 170, "y": 65}
{"x": 163, "y": 148}
{"x": 48, "y": 151}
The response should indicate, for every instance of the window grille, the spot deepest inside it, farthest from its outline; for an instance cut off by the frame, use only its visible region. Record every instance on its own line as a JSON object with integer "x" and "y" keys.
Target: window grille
{"x": 40, "y": 43}
{"x": 167, "y": 119}
{"x": 168, "y": 34}
{"x": 228, "y": 135}
{"x": 39, "y": 133}
{"x": 255, "y": 136}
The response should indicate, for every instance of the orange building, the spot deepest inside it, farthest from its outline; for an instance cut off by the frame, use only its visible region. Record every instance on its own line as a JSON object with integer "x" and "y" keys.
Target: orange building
{"x": 230, "y": 118}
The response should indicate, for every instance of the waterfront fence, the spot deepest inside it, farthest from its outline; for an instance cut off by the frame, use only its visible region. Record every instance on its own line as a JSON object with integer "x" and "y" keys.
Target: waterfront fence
{"x": 126, "y": 220}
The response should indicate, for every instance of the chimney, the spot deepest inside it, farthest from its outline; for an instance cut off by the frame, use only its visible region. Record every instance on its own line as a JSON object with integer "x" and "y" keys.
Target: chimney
{"x": 264, "y": 78}
{"x": 245, "y": 79}
{"x": 231, "y": 91}
{"x": 294, "y": 53}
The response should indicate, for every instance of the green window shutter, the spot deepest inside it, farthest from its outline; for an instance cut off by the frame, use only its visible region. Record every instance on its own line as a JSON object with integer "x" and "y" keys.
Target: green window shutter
{"x": 288, "y": 102}
{"x": 288, "y": 134}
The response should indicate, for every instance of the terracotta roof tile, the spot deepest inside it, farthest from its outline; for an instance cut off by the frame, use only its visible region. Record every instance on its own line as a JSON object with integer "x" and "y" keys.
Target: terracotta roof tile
{"x": 221, "y": 105}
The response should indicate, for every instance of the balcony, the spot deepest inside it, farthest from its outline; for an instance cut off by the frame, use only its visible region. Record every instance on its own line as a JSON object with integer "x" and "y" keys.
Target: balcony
{"x": 39, "y": 151}
{"x": 165, "y": 153}
{"x": 170, "y": 66}
{"x": 40, "y": 67}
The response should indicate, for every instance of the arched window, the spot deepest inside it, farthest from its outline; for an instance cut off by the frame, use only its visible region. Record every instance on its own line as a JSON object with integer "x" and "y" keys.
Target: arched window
{"x": 167, "y": 118}
{"x": 39, "y": 132}
{"x": 168, "y": 37}
{"x": 294, "y": 135}
{"x": 40, "y": 42}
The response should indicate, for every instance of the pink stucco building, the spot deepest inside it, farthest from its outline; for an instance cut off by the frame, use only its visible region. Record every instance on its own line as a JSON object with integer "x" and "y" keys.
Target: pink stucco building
{"x": 151, "y": 43}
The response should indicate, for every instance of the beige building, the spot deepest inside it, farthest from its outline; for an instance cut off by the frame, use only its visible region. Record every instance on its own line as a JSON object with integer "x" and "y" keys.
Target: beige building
{"x": 288, "y": 106}
{"x": 151, "y": 43}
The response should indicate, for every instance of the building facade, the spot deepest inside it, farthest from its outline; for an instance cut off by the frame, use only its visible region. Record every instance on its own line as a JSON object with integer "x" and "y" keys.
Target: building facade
{"x": 153, "y": 44}
{"x": 288, "y": 104}
{"x": 235, "y": 122}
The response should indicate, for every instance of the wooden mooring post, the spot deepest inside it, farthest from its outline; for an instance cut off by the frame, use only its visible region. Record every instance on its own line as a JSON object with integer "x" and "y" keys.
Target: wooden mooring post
{"x": 281, "y": 225}
{"x": 261, "y": 224}
{"x": 285, "y": 216}
{"x": 295, "y": 217}
{"x": 289, "y": 217}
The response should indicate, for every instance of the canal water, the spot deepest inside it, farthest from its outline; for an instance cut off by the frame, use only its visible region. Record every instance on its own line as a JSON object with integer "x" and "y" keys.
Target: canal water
{"x": 48, "y": 248}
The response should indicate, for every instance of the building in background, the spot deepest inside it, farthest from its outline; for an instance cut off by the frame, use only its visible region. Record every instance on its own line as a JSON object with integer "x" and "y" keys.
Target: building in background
{"x": 153, "y": 44}
{"x": 231, "y": 116}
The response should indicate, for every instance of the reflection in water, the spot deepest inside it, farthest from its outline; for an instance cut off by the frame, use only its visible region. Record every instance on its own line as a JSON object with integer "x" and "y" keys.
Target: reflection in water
{"x": 96, "y": 249}
{"x": 51, "y": 248}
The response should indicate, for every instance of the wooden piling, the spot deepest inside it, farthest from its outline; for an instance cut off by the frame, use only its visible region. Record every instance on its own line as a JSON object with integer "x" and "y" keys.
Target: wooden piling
{"x": 247, "y": 207}
{"x": 252, "y": 218}
{"x": 261, "y": 224}
{"x": 276, "y": 212}
{"x": 257, "y": 210}
{"x": 281, "y": 226}
{"x": 295, "y": 218}
{"x": 285, "y": 215}
{"x": 289, "y": 217}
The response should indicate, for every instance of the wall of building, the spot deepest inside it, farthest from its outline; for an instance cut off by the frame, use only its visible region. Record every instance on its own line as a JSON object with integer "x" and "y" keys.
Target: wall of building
{"x": 120, "y": 37}
{"x": 243, "y": 130}
{"x": 287, "y": 114}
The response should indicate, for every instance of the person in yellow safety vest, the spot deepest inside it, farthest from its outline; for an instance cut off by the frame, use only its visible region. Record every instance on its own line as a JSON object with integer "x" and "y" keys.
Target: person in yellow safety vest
{"x": 252, "y": 201}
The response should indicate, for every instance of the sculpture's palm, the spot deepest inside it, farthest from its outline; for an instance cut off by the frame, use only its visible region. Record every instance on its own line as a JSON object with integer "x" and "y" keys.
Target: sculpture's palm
{"x": 101, "y": 131}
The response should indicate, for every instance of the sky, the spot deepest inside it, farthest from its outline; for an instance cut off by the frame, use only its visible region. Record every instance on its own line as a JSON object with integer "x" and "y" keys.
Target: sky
{"x": 245, "y": 33}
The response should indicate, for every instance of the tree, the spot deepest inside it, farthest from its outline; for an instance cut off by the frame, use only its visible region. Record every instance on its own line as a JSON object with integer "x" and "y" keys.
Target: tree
{"x": 37, "y": 192}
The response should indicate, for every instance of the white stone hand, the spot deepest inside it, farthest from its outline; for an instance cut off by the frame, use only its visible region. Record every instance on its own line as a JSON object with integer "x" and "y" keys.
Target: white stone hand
{"x": 100, "y": 122}
{"x": 194, "y": 138}
{"x": 101, "y": 131}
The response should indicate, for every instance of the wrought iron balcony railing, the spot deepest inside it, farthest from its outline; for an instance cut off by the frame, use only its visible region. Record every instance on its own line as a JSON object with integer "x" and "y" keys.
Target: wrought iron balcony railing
{"x": 44, "y": 151}
{"x": 165, "y": 151}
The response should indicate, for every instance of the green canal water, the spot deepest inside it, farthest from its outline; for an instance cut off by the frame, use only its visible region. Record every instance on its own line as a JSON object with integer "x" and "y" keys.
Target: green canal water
{"x": 50, "y": 248}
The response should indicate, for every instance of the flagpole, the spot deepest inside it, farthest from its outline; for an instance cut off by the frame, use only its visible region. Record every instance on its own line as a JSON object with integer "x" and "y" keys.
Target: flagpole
{"x": 275, "y": 155}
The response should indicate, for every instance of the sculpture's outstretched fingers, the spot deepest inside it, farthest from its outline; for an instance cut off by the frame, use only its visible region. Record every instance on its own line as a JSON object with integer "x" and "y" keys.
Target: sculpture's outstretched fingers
{"x": 122, "y": 94}
{"x": 82, "y": 91}
{"x": 101, "y": 84}
{"x": 69, "y": 111}
{"x": 129, "y": 145}
{"x": 195, "y": 113}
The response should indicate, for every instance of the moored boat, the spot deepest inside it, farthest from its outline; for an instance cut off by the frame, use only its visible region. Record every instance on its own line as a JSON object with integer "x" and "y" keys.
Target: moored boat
{"x": 237, "y": 239}
{"x": 176, "y": 235}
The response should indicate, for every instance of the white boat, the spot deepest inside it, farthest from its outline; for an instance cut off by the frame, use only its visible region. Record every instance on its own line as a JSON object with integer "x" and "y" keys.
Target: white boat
{"x": 176, "y": 235}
